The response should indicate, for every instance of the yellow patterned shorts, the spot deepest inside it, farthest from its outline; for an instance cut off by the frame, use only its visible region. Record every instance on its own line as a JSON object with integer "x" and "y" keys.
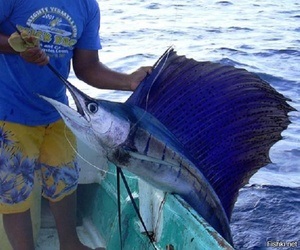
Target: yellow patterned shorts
{"x": 25, "y": 150}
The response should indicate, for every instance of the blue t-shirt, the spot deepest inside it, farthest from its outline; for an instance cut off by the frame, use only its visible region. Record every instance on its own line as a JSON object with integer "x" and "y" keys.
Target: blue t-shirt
{"x": 61, "y": 26}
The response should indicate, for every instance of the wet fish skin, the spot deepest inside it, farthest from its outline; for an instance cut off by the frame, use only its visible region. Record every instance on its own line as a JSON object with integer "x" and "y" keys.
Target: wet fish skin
{"x": 134, "y": 140}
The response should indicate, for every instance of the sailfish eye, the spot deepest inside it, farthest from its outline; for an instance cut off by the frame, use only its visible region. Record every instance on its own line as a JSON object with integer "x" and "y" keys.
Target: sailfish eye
{"x": 92, "y": 107}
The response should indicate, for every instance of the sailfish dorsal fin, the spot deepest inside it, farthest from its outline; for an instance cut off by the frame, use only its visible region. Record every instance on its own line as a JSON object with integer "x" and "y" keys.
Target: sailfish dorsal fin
{"x": 227, "y": 118}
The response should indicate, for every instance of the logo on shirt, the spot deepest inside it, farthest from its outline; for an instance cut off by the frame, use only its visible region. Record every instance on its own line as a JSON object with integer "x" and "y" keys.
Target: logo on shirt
{"x": 55, "y": 28}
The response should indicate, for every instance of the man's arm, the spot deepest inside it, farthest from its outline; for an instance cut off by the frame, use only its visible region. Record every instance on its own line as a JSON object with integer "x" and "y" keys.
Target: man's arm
{"x": 89, "y": 69}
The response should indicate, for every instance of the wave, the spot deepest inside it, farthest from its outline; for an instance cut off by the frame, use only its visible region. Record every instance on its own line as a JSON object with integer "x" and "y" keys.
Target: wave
{"x": 272, "y": 52}
{"x": 235, "y": 28}
{"x": 231, "y": 62}
{"x": 224, "y": 3}
{"x": 274, "y": 79}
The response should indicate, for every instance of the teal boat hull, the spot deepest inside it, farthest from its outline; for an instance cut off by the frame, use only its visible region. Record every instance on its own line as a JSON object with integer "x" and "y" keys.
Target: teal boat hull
{"x": 178, "y": 226}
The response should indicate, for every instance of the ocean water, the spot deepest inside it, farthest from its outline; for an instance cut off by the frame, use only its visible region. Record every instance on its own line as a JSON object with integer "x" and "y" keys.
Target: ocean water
{"x": 262, "y": 36}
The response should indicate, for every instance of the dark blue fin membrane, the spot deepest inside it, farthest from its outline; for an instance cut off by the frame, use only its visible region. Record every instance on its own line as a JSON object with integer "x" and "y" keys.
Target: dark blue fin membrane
{"x": 227, "y": 118}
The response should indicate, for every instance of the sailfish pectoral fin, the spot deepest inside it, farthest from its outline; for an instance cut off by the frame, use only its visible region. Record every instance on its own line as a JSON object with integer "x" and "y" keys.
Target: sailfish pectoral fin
{"x": 143, "y": 157}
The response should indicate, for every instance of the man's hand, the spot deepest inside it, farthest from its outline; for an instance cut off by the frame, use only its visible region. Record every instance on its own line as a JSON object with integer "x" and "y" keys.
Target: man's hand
{"x": 138, "y": 76}
{"x": 35, "y": 55}
{"x": 29, "y": 49}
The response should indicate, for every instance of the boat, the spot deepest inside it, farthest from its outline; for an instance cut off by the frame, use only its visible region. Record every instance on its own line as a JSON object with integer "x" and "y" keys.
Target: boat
{"x": 170, "y": 222}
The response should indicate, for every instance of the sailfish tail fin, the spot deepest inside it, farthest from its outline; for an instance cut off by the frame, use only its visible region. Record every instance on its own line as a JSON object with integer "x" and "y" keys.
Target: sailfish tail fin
{"x": 227, "y": 118}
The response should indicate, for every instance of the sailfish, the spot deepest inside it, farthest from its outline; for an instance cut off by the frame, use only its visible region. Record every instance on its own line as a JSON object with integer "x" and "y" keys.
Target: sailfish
{"x": 196, "y": 129}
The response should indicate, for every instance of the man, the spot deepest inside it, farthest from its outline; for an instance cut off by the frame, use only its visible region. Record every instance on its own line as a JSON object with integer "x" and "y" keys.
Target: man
{"x": 32, "y": 135}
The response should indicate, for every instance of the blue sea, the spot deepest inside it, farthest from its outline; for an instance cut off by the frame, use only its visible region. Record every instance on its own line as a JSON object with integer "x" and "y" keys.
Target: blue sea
{"x": 262, "y": 36}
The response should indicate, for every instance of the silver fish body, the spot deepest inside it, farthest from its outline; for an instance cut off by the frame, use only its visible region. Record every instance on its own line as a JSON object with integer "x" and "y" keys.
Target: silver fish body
{"x": 136, "y": 141}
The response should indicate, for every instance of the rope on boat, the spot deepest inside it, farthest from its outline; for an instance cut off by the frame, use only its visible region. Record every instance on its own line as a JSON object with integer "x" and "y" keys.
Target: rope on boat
{"x": 119, "y": 208}
{"x": 120, "y": 173}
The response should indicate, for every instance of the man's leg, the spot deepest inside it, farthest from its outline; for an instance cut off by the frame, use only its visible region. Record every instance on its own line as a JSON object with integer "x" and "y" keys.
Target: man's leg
{"x": 64, "y": 212}
{"x": 18, "y": 228}
{"x": 19, "y": 151}
{"x": 58, "y": 156}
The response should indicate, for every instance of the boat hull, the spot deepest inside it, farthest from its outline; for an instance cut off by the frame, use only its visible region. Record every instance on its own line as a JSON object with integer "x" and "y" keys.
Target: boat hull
{"x": 176, "y": 225}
